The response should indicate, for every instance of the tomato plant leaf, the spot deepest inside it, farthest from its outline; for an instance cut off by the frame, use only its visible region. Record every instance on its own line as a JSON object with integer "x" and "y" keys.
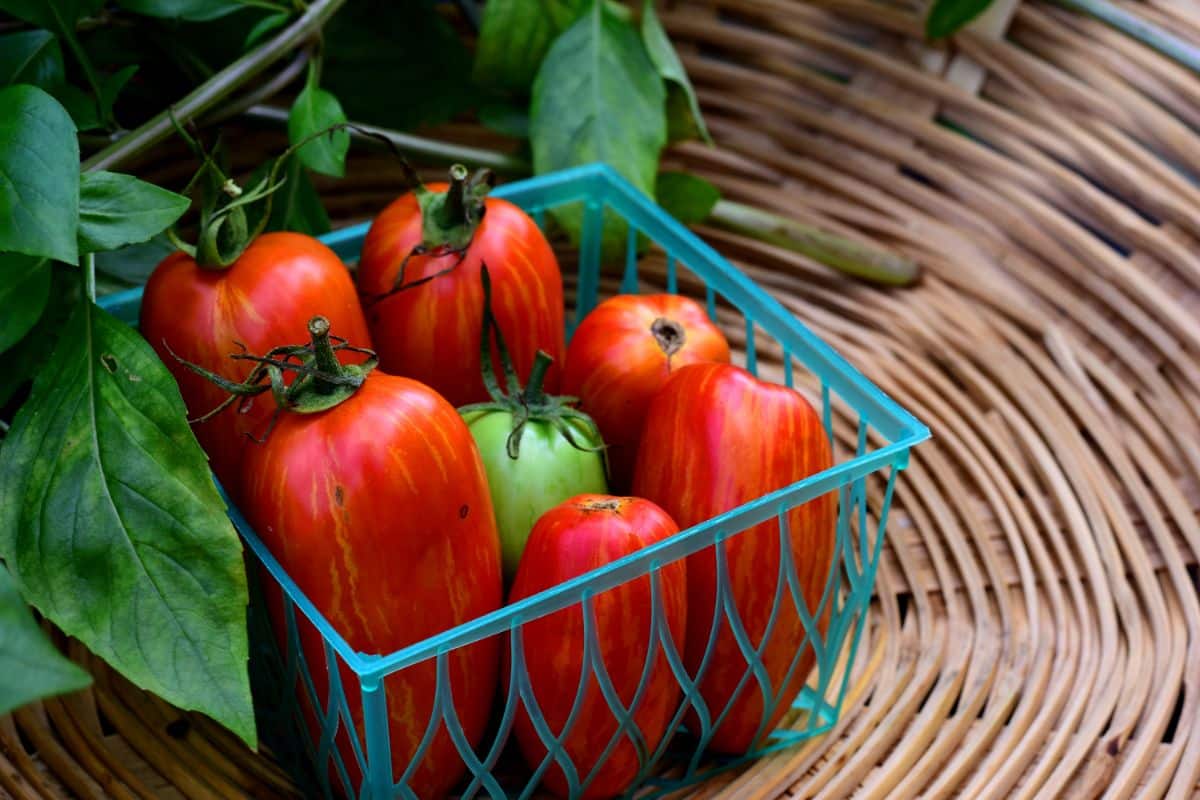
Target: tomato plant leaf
{"x": 132, "y": 265}
{"x": 32, "y": 57}
{"x": 24, "y": 289}
{"x": 80, "y": 105}
{"x": 39, "y": 175}
{"x": 686, "y": 197}
{"x": 30, "y": 666}
{"x": 264, "y": 26}
{"x": 21, "y": 362}
{"x": 947, "y": 16}
{"x": 597, "y": 97}
{"x": 111, "y": 523}
{"x": 514, "y": 37}
{"x": 313, "y": 111}
{"x": 57, "y": 15}
{"x": 111, "y": 86}
{"x": 428, "y": 67}
{"x": 116, "y": 210}
{"x": 684, "y": 119}
{"x": 193, "y": 10}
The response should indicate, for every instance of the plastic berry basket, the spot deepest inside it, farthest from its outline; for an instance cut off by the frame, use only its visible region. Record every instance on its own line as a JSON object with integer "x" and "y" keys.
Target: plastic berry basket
{"x": 777, "y": 347}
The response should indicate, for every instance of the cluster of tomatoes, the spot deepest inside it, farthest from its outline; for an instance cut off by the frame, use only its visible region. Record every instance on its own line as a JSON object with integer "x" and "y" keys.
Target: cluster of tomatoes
{"x": 403, "y": 500}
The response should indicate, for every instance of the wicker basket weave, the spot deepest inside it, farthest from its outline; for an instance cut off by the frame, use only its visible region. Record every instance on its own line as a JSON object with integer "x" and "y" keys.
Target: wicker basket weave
{"x": 1037, "y": 620}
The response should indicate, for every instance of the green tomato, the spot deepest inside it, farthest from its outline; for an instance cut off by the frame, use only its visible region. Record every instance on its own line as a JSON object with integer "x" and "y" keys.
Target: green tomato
{"x": 547, "y": 471}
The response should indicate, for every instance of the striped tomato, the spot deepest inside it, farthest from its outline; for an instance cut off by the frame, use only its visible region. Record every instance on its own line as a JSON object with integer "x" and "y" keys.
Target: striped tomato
{"x": 570, "y": 539}
{"x": 419, "y": 279}
{"x": 620, "y": 356}
{"x": 376, "y": 504}
{"x": 717, "y": 437}
{"x": 264, "y": 298}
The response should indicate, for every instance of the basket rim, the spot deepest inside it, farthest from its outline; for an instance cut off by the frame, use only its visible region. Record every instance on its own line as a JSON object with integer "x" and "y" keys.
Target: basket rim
{"x": 598, "y": 184}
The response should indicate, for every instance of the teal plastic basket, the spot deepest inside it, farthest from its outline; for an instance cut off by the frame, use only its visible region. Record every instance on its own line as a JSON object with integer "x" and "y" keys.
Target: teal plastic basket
{"x": 863, "y": 480}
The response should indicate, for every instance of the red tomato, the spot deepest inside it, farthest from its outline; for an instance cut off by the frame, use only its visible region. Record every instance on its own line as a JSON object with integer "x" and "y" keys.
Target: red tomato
{"x": 717, "y": 437}
{"x": 431, "y": 331}
{"x": 570, "y": 539}
{"x": 620, "y": 356}
{"x": 379, "y": 510}
{"x": 263, "y": 300}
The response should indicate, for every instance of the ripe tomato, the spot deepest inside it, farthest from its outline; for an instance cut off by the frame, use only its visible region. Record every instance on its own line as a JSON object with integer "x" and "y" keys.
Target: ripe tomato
{"x": 430, "y": 331}
{"x": 580, "y": 535}
{"x": 620, "y": 356}
{"x": 378, "y": 508}
{"x": 263, "y": 299}
{"x": 717, "y": 437}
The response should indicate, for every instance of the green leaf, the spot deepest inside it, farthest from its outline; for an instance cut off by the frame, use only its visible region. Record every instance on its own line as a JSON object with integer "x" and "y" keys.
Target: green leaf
{"x": 57, "y": 15}
{"x": 39, "y": 175}
{"x": 24, "y": 289}
{"x": 30, "y": 666}
{"x": 947, "y": 16}
{"x": 295, "y": 206}
{"x": 193, "y": 10}
{"x": 597, "y": 97}
{"x": 264, "y": 26}
{"x": 111, "y": 523}
{"x": 514, "y": 37}
{"x": 111, "y": 86}
{"x": 684, "y": 118}
{"x": 116, "y": 210}
{"x": 507, "y": 119}
{"x": 313, "y": 111}
{"x": 80, "y": 105}
{"x": 32, "y": 57}
{"x": 132, "y": 265}
{"x": 686, "y": 197}
{"x": 427, "y": 67}
{"x": 20, "y": 363}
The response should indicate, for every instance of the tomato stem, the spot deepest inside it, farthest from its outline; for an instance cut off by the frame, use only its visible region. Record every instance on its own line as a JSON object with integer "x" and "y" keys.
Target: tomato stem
{"x": 326, "y": 360}
{"x": 534, "y": 394}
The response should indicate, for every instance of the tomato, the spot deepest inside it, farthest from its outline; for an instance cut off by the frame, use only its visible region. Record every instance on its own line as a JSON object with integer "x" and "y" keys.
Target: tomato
{"x": 430, "y": 331}
{"x": 717, "y": 437}
{"x": 378, "y": 508}
{"x": 547, "y": 471}
{"x": 263, "y": 299}
{"x": 620, "y": 356}
{"x": 570, "y": 539}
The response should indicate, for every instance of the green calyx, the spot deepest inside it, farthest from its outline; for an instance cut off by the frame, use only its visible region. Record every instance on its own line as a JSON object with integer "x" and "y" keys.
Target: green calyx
{"x": 528, "y": 404}
{"x": 449, "y": 218}
{"x": 321, "y": 383}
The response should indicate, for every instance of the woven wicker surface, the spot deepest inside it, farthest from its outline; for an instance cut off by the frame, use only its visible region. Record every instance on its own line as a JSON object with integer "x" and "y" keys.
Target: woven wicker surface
{"x": 1036, "y": 630}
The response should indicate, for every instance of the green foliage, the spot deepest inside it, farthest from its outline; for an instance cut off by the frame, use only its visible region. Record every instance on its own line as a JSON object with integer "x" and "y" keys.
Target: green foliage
{"x": 396, "y": 64}
{"x": 196, "y": 10}
{"x": 116, "y": 210}
{"x": 264, "y": 27}
{"x": 58, "y": 16}
{"x": 30, "y": 666}
{"x": 39, "y": 175}
{"x": 514, "y": 38}
{"x": 120, "y": 536}
{"x": 21, "y": 362}
{"x": 32, "y": 57}
{"x": 24, "y": 289}
{"x": 313, "y": 111}
{"x": 597, "y": 97}
{"x": 686, "y": 197}
{"x": 684, "y": 120}
{"x": 947, "y": 16}
{"x": 132, "y": 265}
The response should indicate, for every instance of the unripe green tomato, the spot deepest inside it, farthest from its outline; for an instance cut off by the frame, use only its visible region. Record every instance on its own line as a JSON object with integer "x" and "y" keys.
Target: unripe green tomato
{"x": 547, "y": 471}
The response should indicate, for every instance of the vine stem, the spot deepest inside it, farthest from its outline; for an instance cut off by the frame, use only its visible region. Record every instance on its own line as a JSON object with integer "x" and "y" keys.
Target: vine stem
{"x": 1137, "y": 28}
{"x": 851, "y": 257}
{"x": 89, "y": 276}
{"x": 216, "y": 88}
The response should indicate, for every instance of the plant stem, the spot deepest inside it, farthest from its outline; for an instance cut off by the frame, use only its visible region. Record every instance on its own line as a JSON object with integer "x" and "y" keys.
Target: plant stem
{"x": 415, "y": 146}
{"x": 853, "y": 258}
{"x": 89, "y": 276}
{"x": 1145, "y": 32}
{"x": 218, "y": 87}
